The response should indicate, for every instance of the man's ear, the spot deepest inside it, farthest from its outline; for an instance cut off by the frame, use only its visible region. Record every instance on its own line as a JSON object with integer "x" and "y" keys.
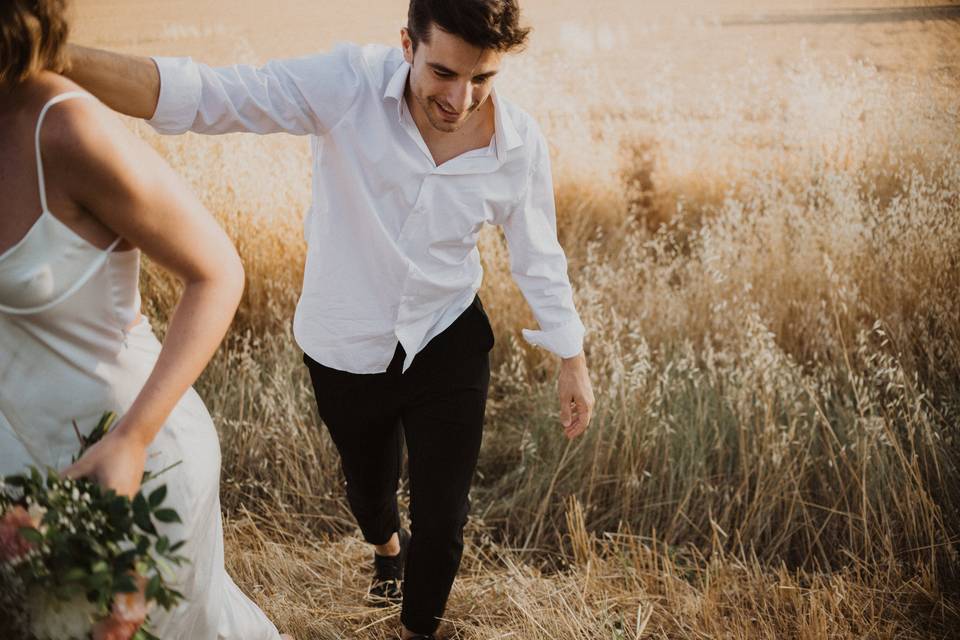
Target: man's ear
{"x": 406, "y": 42}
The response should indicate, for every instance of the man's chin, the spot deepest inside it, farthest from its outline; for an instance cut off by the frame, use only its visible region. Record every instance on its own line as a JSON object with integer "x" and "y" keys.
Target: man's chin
{"x": 445, "y": 126}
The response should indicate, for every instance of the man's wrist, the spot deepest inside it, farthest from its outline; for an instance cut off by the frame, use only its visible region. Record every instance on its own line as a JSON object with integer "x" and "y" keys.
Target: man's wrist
{"x": 580, "y": 358}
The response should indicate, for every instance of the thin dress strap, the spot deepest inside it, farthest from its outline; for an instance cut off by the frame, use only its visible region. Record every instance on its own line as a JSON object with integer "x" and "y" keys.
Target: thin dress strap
{"x": 43, "y": 114}
{"x": 93, "y": 267}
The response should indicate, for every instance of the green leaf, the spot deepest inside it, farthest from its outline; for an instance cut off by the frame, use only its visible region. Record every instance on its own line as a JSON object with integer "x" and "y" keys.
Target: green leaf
{"x": 126, "y": 559}
{"x": 153, "y": 587}
{"x": 167, "y": 515}
{"x": 158, "y": 496}
{"x": 100, "y": 581}
{"x": 31, "y": 535}
{"x": 117, "y": 508}
{"x": 103, "y": 427}
{"x": 126, "y": 584}
{"x": 71, "y": 590}
{"x": 141, "y": 514}
{"x": 143, "y": 634}
{"x": 75, "y": 574}
{"x": 17, "y": 481}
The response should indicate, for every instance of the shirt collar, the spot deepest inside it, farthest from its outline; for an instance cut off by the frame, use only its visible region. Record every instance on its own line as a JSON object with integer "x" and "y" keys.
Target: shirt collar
{"x": 397, "y": 85}
{"x": 505, "y": 132}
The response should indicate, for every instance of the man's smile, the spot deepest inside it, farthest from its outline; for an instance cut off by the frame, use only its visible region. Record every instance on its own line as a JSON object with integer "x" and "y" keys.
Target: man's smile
{"x": 448, "y": 114}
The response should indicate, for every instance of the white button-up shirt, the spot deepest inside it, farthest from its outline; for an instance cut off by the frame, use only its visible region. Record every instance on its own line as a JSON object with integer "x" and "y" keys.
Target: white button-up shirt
{"x": 391, "y": 237}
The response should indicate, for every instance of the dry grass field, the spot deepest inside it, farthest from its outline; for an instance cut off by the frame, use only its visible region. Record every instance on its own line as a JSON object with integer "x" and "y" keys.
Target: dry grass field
{"x": 761, "y": 206}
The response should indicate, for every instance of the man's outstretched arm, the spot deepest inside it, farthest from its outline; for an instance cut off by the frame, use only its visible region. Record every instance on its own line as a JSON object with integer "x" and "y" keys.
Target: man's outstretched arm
{"x": 125, "y": 83}
{"x": 300, "y": 96}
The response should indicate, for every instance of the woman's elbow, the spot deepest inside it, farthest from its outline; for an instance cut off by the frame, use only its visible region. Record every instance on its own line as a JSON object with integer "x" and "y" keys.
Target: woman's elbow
{"x": 234, "y": 280}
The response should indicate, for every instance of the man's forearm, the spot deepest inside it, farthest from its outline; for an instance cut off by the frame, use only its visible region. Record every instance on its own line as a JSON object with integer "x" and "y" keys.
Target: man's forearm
{"x": 125, "y": 83}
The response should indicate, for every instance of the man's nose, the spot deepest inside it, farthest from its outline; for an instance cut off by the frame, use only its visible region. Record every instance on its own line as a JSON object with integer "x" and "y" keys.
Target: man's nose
{"x": 462, "y": 96}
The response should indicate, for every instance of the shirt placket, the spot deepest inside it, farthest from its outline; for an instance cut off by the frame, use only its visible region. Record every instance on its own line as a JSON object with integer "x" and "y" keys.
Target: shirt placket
{"x": 413, "y": 229}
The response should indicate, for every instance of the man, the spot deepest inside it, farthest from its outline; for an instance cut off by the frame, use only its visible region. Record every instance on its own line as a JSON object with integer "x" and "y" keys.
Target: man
{"x": 413, "y": 153}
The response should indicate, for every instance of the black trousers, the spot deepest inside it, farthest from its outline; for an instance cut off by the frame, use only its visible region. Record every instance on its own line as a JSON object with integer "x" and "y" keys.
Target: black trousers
{"x": 437, "y": 406}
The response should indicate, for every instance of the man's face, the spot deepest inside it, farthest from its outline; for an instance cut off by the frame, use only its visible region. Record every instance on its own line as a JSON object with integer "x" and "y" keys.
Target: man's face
{"x": 449, "y": 78}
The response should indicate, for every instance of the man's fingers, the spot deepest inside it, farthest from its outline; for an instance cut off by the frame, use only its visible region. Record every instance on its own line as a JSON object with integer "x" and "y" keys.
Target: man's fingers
{"x": 587, "y": 416}
{"x": 580, "y": 415}
{"x": 575, "y": 429}
{"x": 579, "y": 424}
{"x": 566, "y": 412}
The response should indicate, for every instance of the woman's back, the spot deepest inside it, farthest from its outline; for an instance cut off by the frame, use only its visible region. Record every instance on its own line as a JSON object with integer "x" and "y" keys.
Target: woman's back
{"x": 19, "y": 179}
{"x": 71, "y": 342}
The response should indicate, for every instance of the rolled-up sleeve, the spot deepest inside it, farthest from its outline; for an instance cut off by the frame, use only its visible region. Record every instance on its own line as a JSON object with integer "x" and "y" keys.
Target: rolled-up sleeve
{"x": 180, "y": 90}
{"x": 538, "y": 263}
{"x": 307, "y": 95}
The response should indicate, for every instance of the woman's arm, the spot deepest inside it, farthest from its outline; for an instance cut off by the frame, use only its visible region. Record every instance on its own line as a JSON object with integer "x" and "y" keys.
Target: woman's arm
{"x": 122, "y": 182}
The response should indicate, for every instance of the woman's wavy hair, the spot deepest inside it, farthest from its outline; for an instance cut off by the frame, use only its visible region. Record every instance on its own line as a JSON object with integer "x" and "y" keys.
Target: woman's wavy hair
{"x": 488, "y": 24}
{"x": 33, "y": 36}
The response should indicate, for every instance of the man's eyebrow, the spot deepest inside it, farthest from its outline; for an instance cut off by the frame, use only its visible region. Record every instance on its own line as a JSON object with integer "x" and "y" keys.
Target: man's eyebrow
{"x": 442, "y": 69}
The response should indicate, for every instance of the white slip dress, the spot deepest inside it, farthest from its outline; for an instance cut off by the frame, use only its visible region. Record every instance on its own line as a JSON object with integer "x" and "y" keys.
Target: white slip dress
{"x": 72, "y": 346}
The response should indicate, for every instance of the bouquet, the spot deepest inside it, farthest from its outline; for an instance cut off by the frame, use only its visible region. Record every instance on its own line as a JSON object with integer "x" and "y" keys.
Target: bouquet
{"x": 79, "y": 562}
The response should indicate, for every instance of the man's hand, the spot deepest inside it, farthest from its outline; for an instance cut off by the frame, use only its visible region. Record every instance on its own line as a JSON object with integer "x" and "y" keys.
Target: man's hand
{"x": 116, "y": 462}
{"x": 576, "y": 395}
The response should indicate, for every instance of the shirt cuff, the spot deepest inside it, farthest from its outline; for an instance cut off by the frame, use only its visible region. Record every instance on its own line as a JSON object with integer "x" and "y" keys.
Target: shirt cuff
{"x": 566, "y": 340}
{"x": 180, "y": 91}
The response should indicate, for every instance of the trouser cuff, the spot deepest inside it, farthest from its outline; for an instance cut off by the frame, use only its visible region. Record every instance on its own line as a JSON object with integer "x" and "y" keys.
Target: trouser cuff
{"x": 378, "y": 530}
{"x": 419, "y": 624}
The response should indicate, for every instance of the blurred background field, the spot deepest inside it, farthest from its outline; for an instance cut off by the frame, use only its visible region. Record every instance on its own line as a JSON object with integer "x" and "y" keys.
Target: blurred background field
{"x": 760, "y": 201}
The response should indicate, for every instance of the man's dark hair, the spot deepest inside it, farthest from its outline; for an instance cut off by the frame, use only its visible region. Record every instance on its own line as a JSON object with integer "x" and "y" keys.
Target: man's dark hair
{"x": 487, "y": 24}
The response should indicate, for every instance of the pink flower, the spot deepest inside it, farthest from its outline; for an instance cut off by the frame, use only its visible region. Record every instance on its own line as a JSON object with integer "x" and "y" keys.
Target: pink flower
{"x": 114, "y": 629}
{"x": 12, "y": 544}
{"x": 128, "y": 613}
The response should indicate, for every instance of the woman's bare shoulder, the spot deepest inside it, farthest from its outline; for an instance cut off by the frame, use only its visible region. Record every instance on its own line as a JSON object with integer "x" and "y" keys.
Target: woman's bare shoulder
{"x": 75, "y": 129}
{"x": 21, "y": 107}
{"x": 48, "y": 86}
{"x": 37, "y": 91}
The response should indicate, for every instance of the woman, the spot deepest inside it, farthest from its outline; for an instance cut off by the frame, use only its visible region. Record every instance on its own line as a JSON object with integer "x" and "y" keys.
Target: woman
{"x": 82, "y": 197}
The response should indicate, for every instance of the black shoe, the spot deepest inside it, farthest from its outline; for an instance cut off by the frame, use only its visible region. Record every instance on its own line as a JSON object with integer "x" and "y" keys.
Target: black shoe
{"x": 386, "y": 589}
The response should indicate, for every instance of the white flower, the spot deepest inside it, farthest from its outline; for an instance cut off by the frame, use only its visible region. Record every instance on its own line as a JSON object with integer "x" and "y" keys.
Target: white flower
{"x": 51, "y": 620}
{"x": 37, "y": 512}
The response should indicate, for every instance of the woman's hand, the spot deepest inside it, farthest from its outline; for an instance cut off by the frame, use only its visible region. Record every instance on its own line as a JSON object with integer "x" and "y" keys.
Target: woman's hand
{"x": 116, "y": 462}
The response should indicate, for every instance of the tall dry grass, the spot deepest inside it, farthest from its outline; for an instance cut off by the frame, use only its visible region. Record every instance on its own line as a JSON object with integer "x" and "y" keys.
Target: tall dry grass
{"x": 769, "y": 272}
